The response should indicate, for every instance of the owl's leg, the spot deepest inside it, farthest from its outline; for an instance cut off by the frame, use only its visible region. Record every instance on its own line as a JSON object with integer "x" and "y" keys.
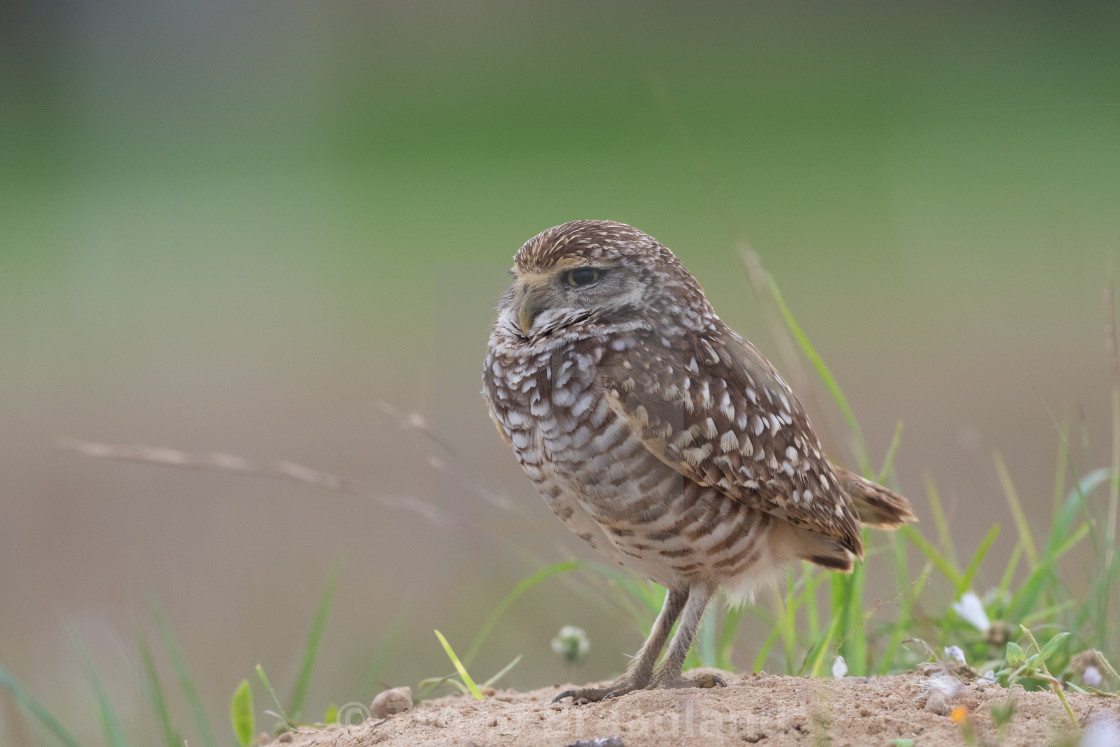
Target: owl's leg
{"x": 669, "y": 673}
{"x": 640, "y": 671}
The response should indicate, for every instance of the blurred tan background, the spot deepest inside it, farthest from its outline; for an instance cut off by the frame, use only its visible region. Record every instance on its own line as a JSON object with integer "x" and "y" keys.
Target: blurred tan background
{"x": 247, "y": 227}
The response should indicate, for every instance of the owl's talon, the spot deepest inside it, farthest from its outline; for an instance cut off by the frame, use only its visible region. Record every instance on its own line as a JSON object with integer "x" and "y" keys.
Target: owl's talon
{"x": 583, "y": 695}
{"x": 709, "y": 680}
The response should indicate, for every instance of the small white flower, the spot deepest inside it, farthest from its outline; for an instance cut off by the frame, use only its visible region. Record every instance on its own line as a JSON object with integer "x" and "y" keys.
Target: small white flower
{"x": 571, "y": 644}
{"x": 972, "y": 611}
{"x": 955, "y": 652}
{"x": 989, "y": 676}
{"x": 1092, "y": 676}
{"x": 839, "y": 667}
{"x": 1101, "y": 732}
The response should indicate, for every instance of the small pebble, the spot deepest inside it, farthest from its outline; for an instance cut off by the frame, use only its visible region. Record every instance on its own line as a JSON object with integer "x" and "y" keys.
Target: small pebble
{"x": 397, "y": 700}
{"x": 938, "y": 702}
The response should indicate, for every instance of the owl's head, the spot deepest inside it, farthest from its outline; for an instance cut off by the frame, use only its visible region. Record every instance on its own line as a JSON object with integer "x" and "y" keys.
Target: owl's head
{"x": 595, "y": 272}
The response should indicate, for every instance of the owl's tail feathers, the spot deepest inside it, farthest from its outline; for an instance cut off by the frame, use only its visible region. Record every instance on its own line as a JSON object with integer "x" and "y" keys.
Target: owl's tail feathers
{"x": 828, "y": 552}
{"x": 877, "y": 506}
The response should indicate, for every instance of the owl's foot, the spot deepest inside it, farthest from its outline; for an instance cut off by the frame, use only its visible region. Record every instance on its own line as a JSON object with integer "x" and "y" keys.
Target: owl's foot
{"x": 677, "y": 681}
{"x": 583, "y": 695}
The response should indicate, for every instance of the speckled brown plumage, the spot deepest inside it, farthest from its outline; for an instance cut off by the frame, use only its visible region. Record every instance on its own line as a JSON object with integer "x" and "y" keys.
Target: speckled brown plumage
{"x": 659, "y": 435}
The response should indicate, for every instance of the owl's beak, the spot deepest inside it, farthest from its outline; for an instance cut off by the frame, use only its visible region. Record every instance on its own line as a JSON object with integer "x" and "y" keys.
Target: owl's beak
{"x": 527, "y": 312}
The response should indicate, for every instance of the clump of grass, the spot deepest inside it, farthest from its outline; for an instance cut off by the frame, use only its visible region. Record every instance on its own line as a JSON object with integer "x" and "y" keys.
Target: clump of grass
{"x": 465, "y": 683}
{"x": 241, "y": 710}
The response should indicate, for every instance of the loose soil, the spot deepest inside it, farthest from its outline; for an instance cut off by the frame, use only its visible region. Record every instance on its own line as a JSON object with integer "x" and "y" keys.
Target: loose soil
{"x": 758, "y": 709}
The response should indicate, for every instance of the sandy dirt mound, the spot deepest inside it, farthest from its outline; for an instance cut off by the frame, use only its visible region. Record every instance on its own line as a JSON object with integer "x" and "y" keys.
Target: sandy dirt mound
{"x": 754, "y": 709}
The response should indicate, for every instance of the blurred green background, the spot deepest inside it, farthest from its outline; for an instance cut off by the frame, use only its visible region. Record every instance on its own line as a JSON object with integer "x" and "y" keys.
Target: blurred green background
{"x": 247, "y": 226}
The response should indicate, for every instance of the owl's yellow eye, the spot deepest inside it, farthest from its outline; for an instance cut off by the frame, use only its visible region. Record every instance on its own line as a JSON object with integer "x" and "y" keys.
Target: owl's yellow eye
{"x": 582, "y": 276}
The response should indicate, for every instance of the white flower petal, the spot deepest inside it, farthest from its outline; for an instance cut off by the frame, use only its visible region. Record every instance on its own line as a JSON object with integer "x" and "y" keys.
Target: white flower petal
{"x": 971, "y": 610}
{"x": 955, "y": 652}
{"x": 1101, "y": 732}
{"x": 1092, "y": 676}
{"x": 839, "y": 667}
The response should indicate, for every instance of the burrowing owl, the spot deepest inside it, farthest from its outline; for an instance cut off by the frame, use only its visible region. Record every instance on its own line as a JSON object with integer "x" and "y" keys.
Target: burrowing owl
{"x": 659, "y": 435}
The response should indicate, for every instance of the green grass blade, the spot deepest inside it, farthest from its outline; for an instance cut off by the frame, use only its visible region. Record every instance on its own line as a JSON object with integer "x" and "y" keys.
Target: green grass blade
{"x": 111, "y": 727}
{"x": 241, "y": 714}
{"x": 944, "y": 536}
{"x": 311, "y": 649}
{"x": 462, "y": 670}
{"x": 902, "y": 628}
{"x": 25, "y": 698}
{"x": 276, "y": 701}
{"x": 1021, "y": 522}
{"x": 1009, "y": 575}
{"x": 1075, "y": 503}
{"x": 1024, "y": 600}
{"x": 510, "y": 598}
{"x": 705, "y": 644}
{"x": 901, "y": 576}
{"x": 1110, "y": 527}
{"x": 965, "y": 582}
{"x": 825, "y": 375}
{"x": 380, "y": 659}
{"x": 640, "y": 599}
{"x": 812, "y": 580}
{"x": 931, "y": 553}
{"x": 183, "y": 675}
{"x": 155, "y": 694}
{"x": 854, "y": 643}
{"x": 888, "y": 462}
{"x": 786, "y": 628}
{"x": 502, "y": 672}
{"x": 764, "y": 650}
{"x": 727, "y": 635}
{"x": 431, "y": 683}
{"x": 1060, "y": 465}
{"x": 1105, "y": 663}
{"x": 1039, "y": 616}
{"x": 822, "y": 648}
{"x": 1103, "y": 589}
{"x": 649, "y": 596}
{"x": 1054, "y": 644}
